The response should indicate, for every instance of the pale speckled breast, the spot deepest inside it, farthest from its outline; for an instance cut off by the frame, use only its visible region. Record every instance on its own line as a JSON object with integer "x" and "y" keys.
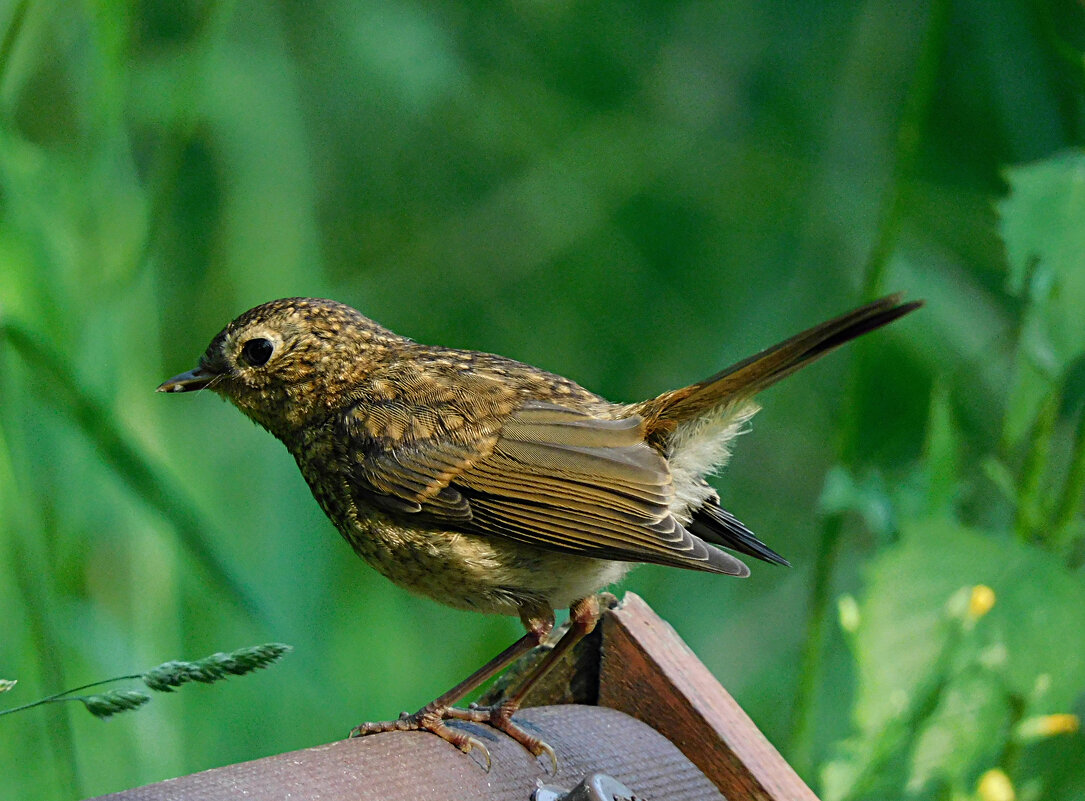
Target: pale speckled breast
{"x": 478, "y": 572}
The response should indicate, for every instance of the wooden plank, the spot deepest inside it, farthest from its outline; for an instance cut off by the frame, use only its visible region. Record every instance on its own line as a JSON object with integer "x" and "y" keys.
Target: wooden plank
{"x": 648, "y": 672}
{"x": 421, "y": 767}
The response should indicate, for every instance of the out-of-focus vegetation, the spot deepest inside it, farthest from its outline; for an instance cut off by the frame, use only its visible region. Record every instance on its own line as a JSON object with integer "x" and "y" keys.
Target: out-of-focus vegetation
{"x": 632, "y": 194}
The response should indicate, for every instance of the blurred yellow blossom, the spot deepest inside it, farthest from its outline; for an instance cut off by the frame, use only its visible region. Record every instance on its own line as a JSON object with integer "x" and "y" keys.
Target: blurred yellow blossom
{"x": 980, "y": 601}
{"x": 995, "y": 785}
{"x": 1041, "y": 726}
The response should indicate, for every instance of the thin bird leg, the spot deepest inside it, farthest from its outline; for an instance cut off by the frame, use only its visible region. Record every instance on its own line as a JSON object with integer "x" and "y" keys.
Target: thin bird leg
{"x": 431, "y": 717}
{"x": 583, "y": 615}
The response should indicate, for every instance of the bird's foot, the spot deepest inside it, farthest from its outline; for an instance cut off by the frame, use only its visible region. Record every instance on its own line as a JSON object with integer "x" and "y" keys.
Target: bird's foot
{"x": 500, "y": 717}
{"x": 429, "y": 718}
{"x": 432, "y": 718}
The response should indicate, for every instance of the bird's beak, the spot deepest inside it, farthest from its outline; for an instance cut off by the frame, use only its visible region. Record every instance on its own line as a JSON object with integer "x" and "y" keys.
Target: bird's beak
{"x": 188, "y": 382}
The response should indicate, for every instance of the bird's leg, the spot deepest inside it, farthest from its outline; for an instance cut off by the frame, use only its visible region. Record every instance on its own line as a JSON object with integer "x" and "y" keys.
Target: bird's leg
{"x": 583, "y": 615}
{"x": 538, "y": 621}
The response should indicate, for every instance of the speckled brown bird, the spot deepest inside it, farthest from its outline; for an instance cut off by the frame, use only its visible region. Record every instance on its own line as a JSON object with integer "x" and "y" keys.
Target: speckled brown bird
{"x": 491, "y": 485}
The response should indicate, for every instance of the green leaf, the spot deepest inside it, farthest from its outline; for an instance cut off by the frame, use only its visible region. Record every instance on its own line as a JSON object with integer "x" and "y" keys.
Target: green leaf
{"x": 866, "y": 497}
{"x": 966, "y": 729}
{"x": 906, "y": 686}
{"x": 1041, "y": 225}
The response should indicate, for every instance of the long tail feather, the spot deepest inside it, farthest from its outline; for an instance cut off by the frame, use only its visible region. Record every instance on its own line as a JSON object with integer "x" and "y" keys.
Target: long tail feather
{"x": 748, "y": 377}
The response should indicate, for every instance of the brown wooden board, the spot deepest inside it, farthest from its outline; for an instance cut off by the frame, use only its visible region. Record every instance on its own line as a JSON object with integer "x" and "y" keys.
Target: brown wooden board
{"x": 648, "y": 672}
{"x": 421, "y": 767}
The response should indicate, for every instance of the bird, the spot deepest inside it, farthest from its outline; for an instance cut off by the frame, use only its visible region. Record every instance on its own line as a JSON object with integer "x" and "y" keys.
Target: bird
{"x": 491, "y": 485}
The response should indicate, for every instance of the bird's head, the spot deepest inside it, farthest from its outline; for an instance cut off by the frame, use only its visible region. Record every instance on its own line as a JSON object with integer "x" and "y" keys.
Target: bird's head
{"x": 289, "y": 362}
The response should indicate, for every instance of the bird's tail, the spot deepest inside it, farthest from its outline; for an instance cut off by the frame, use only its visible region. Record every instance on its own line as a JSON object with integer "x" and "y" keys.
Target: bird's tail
{"x": 737, "y": 384}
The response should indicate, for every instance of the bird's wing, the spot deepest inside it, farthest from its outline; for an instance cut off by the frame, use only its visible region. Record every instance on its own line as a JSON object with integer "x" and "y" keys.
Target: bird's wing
{"x": 549, "y": 476}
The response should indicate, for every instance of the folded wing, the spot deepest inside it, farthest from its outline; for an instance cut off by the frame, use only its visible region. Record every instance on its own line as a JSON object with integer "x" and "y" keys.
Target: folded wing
{"x": 550, "y": 476}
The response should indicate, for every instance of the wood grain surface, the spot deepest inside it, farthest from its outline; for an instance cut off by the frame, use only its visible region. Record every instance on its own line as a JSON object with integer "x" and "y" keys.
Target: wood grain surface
{"x": 648, "y": 672}
{"x": 421, "y": 767}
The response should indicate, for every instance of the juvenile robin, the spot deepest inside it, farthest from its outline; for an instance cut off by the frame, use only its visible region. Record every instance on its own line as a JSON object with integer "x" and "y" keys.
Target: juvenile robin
{"x": 491, "y": 485}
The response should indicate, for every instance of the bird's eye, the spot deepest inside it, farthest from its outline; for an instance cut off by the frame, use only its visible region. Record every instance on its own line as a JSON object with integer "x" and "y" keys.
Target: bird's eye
{"x": 256, "y": 352}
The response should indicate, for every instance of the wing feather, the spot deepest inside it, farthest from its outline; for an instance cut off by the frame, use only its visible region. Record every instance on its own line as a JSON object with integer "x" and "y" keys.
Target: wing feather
{"x": 549, "y": 476}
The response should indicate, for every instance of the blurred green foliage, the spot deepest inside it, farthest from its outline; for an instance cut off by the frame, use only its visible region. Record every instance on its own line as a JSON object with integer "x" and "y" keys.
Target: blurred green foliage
{"x": 632, "y": 194}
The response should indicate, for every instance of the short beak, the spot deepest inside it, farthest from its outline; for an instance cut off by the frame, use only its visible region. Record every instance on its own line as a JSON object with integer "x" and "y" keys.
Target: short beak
{"x": 188, "y": 382}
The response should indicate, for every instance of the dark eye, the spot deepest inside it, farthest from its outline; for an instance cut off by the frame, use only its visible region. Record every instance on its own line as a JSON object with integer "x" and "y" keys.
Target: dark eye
{"x": 256, "y": 352}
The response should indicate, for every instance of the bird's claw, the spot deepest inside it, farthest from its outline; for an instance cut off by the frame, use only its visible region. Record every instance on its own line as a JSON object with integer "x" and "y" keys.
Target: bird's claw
{"x": 500, "y": 718}
{"x": 433, "y": 720}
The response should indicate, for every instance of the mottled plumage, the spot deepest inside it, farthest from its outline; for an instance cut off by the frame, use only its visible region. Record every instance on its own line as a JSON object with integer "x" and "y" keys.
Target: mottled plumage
{"x": 489, "y": 484}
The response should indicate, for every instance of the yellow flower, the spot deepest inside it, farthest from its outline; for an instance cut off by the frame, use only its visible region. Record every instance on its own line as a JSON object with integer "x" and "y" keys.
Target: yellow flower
{"x": 1036, "y": 728}
{"x": 1061, "y": 723}
{"x": 995, "y": 785}
{"x": 980, "y": 601}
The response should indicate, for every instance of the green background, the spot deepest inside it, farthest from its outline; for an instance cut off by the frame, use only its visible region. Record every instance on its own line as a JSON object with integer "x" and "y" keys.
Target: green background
{"x": 632, "y": 194}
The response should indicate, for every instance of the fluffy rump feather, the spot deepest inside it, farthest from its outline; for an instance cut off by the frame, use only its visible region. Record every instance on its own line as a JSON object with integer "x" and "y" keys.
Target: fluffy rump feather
{"x": 701, "y": 446}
